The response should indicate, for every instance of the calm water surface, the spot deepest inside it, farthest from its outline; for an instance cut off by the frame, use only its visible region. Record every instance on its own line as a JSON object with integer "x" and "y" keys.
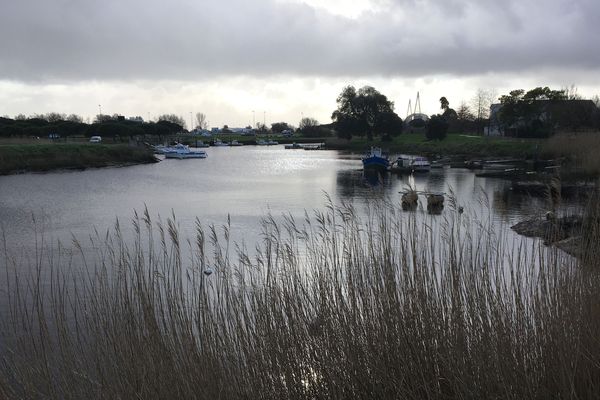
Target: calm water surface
{"x": 243, "y": 182}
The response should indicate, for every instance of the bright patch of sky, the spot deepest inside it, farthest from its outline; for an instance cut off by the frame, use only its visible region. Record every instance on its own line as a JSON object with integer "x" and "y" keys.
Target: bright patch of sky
{"x": 344, "y": 8}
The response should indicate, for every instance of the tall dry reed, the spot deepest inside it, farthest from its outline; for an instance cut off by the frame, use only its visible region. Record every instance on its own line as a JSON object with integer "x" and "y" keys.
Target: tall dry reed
{"x": 580, "y": 148}
{"x": 331, "y": 306}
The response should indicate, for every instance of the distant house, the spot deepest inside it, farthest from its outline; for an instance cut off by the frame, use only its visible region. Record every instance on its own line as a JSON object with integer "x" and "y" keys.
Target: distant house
{"x": 542, "y": 118}
{"x": 201, "y": 132}
{"x": 243, "y": 131}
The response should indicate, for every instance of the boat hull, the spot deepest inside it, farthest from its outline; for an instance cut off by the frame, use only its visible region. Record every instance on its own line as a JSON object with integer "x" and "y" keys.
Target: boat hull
{"x": 181, "y": 156}
{"x": 375, "y": 163}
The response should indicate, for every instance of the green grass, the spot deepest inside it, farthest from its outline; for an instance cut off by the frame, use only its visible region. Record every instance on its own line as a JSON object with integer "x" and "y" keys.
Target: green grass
{"x": 44, "y": 157}
{"x": 332, "y": 306}
{"x": 453, "y": 145}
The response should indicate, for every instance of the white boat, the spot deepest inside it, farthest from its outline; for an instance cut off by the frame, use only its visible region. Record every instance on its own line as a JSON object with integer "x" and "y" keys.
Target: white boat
{"x": 294, "y": 146}
{"x": 218, "y": 143}
{"x": 235, "y": 143}
{"x": 421, "y": 164}
{"x": 262, "y": 142}
{"x": 407, "y": 163}
{"x": 181, "y": 151}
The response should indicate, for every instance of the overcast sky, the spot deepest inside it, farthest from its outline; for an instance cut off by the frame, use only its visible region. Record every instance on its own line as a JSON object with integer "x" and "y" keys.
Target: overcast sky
{"x": 285, "y": 58}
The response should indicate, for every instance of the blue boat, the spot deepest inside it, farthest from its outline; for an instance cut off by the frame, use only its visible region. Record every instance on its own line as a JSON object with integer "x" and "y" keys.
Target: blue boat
{"x": 375, "y": 160}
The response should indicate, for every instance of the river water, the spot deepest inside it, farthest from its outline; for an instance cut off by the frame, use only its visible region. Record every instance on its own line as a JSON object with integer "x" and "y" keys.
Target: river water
{"x": 244, "y": 183}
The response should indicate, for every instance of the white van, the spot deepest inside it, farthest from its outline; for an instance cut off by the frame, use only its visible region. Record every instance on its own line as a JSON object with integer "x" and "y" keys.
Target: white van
{"x": 95, "y": 139}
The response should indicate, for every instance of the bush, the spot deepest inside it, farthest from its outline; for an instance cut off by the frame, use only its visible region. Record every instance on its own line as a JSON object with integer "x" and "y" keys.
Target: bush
{"x": 437, "y": 128}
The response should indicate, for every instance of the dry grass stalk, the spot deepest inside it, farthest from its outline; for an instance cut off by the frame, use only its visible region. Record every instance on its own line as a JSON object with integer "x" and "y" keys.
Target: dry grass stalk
{"x": 334, "y": 306}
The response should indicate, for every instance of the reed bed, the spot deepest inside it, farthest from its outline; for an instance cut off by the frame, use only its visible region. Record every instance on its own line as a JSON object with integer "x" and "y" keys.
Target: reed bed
{"x": 336, "y": 305}
{"x": 580, "y": 148}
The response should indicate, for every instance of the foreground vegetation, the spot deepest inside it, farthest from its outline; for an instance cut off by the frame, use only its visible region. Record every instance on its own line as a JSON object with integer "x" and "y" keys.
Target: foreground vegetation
{"x": 333, "y": 306}
{"x": 580, "y": 149}
{"x": 44, "y": 157}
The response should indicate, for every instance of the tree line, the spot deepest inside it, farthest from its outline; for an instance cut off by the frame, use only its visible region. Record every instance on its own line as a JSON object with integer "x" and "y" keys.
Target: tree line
{"x": 365, "y": 112}
{"x": 56, "y": 125}
{"x": 538, "y": 112}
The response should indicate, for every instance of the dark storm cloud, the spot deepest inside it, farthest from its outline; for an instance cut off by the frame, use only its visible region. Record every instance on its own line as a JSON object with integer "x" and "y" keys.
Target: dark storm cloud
{"x": 185, "y": 39}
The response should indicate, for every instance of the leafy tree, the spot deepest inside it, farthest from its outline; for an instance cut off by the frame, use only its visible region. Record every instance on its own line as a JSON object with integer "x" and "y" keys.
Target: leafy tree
{"x": 358, "y": 113}
{"x": 444, "y": 104}
{"x": 437, "y": 128}
{"x": 307, "y": 122}
{"x": 261, "y": 128}
{"x": 388, "y": 124}
{"x": 175, "y": 119}
{"x": 523, "y": 114}
{"x": 278, "y": 127}
{"x": 544, "y": 93}
{"x": 168, "y": 127}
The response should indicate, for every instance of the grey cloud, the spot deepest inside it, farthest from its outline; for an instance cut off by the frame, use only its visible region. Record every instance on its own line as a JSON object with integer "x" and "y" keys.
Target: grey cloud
{"x": 188, "y": 40}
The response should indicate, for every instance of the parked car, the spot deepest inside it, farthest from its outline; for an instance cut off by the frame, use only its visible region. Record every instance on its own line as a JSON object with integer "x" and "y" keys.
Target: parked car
{"x": 95, "y": 139}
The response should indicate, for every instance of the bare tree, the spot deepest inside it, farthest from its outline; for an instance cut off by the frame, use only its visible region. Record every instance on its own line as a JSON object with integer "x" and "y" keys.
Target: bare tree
{"x": 54, "y": 117}
{"x": 75, "y": 118}
{"x": 202, "y": 123}
{"x": 464, "y": 112}
{"x": 308, "y": 123}
{"x": 571, "y": 93}
{"x": 480, "y": 104}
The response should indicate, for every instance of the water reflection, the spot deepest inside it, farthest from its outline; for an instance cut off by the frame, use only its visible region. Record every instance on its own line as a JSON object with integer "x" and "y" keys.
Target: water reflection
{"x": 243, "y": 183}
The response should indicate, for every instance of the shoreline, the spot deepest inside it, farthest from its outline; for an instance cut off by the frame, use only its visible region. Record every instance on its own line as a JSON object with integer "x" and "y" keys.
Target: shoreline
{"x": 40, "y": 158}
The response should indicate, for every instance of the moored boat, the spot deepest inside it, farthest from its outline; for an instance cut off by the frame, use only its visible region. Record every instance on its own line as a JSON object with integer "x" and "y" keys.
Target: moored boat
{"x": 181, "y": 151}
{"x": 408, "y": 163}
{"x": 375, "y": 160}
{"x": 219, "y": 143}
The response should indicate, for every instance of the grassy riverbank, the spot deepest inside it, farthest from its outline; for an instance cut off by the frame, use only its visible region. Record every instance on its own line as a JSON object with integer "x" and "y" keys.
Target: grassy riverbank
{"x": 329, "y": 307}
{"x": 16, "y": 158}
{"x": 453, "y": 145}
